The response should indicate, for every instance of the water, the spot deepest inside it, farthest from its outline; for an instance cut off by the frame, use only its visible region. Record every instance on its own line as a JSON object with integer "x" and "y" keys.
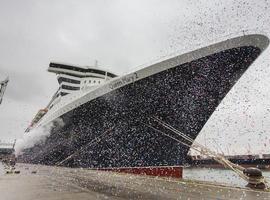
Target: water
{"x": 220, "y": 176}
{"x": 223, "y": 176}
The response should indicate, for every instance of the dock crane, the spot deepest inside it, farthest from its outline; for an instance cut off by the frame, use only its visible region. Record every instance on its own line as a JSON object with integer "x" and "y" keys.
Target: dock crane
{"x": 3, "y": 85}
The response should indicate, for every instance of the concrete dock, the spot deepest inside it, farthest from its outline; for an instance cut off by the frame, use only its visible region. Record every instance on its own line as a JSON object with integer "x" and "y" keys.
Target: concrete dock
{"x": 54, "y": 183}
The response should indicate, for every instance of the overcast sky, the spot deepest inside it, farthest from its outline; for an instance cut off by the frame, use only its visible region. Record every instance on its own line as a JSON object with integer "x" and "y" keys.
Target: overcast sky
{"x": 123, "y": 35}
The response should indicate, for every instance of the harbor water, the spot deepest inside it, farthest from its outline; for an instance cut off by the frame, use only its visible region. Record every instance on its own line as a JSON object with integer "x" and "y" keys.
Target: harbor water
{"x": 215, "y": 175}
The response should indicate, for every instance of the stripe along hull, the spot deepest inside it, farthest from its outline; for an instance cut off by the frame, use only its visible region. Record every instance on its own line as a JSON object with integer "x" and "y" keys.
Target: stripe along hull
{"x": 183, "y": 95}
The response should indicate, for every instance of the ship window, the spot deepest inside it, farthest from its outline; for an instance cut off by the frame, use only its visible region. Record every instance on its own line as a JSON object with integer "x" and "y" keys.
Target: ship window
{"x": 63, "y": 93}
{"x": 78, "y": 69}
{"x": 68, "y": 80}
{"x": 94, "y": 81}
{"x": 67, "y": 87}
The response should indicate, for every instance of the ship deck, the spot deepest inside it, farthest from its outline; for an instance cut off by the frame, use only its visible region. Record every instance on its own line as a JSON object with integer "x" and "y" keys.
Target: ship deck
{"x": 55, "y": 183}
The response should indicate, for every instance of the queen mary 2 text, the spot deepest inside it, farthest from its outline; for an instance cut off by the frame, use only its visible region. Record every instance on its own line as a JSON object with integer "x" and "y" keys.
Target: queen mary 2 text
{"x": 123, "y": 81}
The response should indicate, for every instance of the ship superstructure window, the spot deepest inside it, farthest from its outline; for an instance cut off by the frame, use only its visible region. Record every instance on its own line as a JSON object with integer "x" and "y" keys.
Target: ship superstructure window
{"x": 79, "y": 71}
{"x": 73, "y": 79}
{"x": 68, "y": 80}
{"x": 63, "y": 93}
{"x": 68, "y": 87}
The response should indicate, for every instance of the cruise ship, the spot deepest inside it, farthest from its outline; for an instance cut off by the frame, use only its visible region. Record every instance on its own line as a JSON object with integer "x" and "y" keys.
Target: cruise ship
{"x": 100, "y": 120}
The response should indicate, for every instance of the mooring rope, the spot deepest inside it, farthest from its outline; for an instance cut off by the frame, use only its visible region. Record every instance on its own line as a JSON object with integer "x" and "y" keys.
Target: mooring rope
{"x": 205, "y": 151}
{"x": 193, "y": 145}
{"x": 92, "y": 142}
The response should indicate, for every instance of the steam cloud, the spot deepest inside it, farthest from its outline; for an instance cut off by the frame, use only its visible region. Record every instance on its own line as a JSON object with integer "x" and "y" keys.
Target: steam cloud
{"x": 37, "y": 135}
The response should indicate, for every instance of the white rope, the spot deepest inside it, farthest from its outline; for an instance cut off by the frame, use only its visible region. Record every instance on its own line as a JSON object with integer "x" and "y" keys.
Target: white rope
{"x": 217, "y": 157}
{"x": 92, "y": 142}
{"x": 193, "y": 144}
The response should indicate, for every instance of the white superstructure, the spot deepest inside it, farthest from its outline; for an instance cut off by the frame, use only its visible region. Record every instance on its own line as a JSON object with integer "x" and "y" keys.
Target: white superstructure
{"x": 74, "y": 80}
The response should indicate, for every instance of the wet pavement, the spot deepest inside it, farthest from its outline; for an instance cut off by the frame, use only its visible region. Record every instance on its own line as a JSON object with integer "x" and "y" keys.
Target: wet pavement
{"x": 54, "y": 183}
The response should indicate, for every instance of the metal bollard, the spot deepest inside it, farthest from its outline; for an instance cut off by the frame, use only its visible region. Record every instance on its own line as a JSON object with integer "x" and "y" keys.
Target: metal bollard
{"x": 256, "y": 179}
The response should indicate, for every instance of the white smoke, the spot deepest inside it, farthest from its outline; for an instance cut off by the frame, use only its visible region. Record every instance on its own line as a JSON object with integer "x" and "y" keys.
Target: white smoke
{"x": 37, "y": 135}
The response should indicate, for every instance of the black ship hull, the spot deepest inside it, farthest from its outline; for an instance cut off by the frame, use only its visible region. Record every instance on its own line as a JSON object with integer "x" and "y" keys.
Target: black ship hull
{"x": 112, "y": 131}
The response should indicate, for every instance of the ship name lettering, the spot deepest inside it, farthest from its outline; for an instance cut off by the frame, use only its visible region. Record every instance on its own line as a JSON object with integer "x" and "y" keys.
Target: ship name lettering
{"x": 123, "y": 81}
